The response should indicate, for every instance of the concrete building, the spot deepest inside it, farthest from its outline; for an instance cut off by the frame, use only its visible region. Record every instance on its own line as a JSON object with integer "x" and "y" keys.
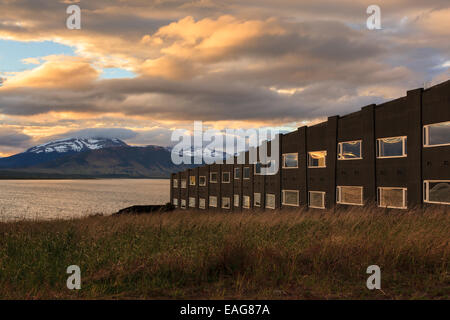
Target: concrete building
{"x": 395, "y": 154}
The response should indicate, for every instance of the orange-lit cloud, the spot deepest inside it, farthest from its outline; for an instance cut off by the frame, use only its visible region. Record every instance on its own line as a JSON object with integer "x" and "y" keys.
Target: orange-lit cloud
{"x": 233, "y": 64}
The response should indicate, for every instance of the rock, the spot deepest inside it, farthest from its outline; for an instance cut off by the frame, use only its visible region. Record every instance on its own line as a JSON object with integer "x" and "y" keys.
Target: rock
{"x": 146, "y": 209}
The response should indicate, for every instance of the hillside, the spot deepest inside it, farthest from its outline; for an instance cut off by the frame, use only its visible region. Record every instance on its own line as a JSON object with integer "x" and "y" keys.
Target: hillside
{"x": 89, "y": 158}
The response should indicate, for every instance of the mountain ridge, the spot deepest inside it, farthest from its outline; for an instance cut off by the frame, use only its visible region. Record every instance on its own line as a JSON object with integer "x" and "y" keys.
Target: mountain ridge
{"x": 91, "y": 158}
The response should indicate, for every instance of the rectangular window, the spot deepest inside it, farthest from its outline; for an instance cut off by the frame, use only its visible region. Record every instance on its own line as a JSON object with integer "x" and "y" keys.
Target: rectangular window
{"x": 246, "y": 202}
{"x": 192, "y": 180}
{"x": 191, "y": 202}
{"x": 290, "y": 160}
{"x": 183, "y": 203}
{"x": 270, "y": 201}
{"x": 257, "y": 199}
{"x": 246, "y": 172}
{"x": 392, "y": 197}
{"x": 236, "y": 200}
{"x": 436, "y": 191}
{"x": 202, "y": 203}
{"x": 175, "y": 183}
{"x": 202, "y": 181}
{"x": 317, "y": 159}
{"x": 437, "y": 134}
{"x": 175, "y": 202}
{"x": 226, "y": 203}
{"x": 213, "y": 177}
{"x": 225, "y": 177}
{"x": 316, "y": 199}
{"x": 183, "y": 183}
{"x": 290, "y": 198}
{"x": 213, "y": 201}
{"x": 237, "y": 173}
{"x": 394, "y": 147}
{"x": 258, "y": 168}
{"x": 349, "y": 195}
{"x": 350, "y": 150}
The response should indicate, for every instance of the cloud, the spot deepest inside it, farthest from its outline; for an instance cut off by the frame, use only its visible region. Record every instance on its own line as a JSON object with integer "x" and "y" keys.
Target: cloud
{"x": 10, "y": 137}
{"x": 249, "y": 62}
{"x": 55, "y": 72}
{"x": 107, "y": 133}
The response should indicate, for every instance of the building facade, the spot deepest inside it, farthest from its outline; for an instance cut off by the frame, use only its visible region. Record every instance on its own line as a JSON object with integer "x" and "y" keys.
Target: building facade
{"x": 395, "y": 154}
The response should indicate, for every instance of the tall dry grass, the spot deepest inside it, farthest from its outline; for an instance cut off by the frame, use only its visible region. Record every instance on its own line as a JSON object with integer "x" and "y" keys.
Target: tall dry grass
{"x": 293, "y": 254}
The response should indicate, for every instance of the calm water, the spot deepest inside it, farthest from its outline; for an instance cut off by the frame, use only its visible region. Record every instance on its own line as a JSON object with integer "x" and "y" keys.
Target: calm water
{"x": 49, "y": 199}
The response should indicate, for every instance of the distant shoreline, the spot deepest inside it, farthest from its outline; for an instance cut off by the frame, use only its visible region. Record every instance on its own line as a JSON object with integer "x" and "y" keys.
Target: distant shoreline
{"x": 17, "y": 175}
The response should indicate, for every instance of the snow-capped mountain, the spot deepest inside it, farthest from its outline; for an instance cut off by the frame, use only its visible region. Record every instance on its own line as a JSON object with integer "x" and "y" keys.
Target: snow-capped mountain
{"x": 90, "y": 157}
{"x": 76, "y": 145}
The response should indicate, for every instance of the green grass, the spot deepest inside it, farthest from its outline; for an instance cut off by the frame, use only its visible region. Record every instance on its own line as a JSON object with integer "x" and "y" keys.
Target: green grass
{"x": 271, "y": 255}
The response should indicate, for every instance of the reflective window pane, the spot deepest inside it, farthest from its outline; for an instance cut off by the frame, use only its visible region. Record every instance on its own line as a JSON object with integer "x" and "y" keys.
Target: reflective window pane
{"x": 439, "y": 192}
{"x": 393, "y": 198}
{"x": 317, "y": 159}
{"x": 438, "y": 134}
{"x": 246, "y": 173}
{"x": 257, "y": 199}
{"x": 226, "y": 203}
{"x": 270, "y": 201}
{"x": 350, "y": 150}
{"x": 202, "y": 203}
{"x": 290, "y": 197}
{"x": 350, "y": 195}
{"x": 290, "y": 160}
{"x": 391, "y": 147}
{"x": 316, "y": 199}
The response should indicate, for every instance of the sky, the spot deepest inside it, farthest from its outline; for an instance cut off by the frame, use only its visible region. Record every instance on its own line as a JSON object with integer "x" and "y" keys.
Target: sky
{"x": 138, "y": 70}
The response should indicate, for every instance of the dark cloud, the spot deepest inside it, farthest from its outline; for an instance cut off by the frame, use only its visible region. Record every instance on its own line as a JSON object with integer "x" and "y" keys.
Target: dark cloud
{"x": 10, "y": 137}
{"x": 108, "y": 133}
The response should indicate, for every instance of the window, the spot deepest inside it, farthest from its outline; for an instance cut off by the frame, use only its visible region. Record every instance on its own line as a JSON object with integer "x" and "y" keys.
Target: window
{"x": 349, "y": 195}
{"x": 436, "y": 191}
{"x": 257, "y": 168}
{"x": 394, "y": 147}
{"x": 350, "y": 150}
{"x": 192, "y": 180}
{"x": 392, "y": 197}
{"x": 202, "y": 181}
{"x": 175, "y": 183}
{"x": 257, "y": 199}
{"x": 226, "y": 203}
{"x": 290, "y": 160}
{"x": 246, "y": 172}
{"x": 191, "y": 202}
{"x": 236, "y": 200}
{"x": 183, "y": 203}
{"x": 290, "y": 197}
{"x": 270, "y": 201}
{"x": 202, "y": 203}
{"x": 175, "y": 202}
{"x": 213, "y": 201}
{"x": 317, "y": 199}
{"x": 437, "y": 134}
{"x": 213, "y": 177}
{"x": 246, "y": 201}
{"x": 225, "y": 177}
{"x": 183, "y": 183}
{"x": 237, "y": 173}
{"x": 317, "y": 159}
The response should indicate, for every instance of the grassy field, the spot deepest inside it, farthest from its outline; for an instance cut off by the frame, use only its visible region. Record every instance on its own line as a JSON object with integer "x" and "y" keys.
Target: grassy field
{"x": 271, "y": 255}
